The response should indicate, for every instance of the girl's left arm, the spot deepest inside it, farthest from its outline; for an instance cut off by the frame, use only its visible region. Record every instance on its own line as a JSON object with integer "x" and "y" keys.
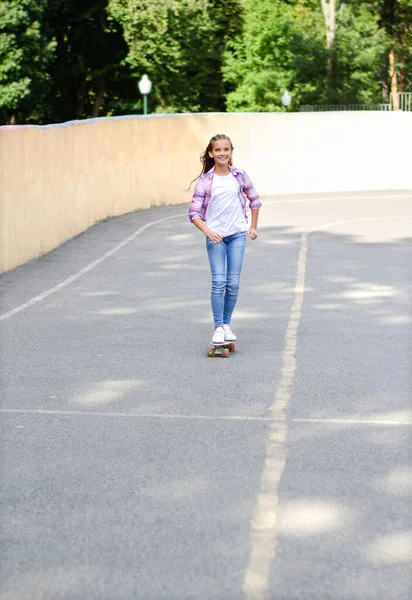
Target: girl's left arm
{"x": 251, "y": 194}
{"x": 252, "y": 233}
{"x": 254, "y": 205}
{"x": 195, "y": 208}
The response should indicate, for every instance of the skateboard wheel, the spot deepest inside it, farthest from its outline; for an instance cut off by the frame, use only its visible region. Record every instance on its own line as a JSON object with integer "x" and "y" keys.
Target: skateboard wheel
{"x": 225, "y": 353}
{"x": 211, "y": 352}
{"x": 232, "y": 347}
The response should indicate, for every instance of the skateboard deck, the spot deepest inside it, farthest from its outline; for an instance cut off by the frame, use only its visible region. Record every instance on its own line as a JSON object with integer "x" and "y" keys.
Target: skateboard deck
{"x": 222, "y": 350}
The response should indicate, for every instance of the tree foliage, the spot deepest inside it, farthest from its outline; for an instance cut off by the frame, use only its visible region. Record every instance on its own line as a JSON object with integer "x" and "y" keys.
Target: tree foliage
{"x": 395, "y": 19}
{"x": 25, "y": 55}
{"x": 281, "y": 47}
{"x": 71, "y": 59}
{"x": 179, "y": 44}
{"x": 360, "y": 48}
{"x": 89, "y": 73}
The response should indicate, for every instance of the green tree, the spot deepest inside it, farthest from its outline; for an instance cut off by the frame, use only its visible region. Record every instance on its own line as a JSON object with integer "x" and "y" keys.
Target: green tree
{"x": 369, "y": 46}
{"x": 281, "y": 47}
{"x": 179, "y": 44}
{"x": 360, "y": 48}
{"x": 25, "y": 56}
{"x": 396, "y": 21}
{"x": 330, "y": 10}
{"x": 90, "y": 77}
{"x": 404, "y": 43}
{"x": 322, "y": 51}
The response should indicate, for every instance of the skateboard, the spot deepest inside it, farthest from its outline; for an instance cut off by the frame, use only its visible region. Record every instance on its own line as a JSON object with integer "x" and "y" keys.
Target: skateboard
{"x": 221, "y": 350}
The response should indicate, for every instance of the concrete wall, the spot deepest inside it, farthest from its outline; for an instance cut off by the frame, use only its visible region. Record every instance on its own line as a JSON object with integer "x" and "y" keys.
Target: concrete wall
{"x": 57, "y": 181}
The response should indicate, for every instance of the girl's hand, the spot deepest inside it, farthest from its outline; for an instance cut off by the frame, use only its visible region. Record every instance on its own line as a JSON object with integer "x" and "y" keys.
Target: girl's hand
{"x": 214, "y": 236}
{"x": 252, "y": 233}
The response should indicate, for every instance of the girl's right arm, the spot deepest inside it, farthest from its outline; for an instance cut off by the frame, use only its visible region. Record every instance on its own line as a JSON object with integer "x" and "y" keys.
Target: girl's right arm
{"x": 212, "y": 235}
{"x": 195, "y": 211}
{"x": 196, "y": 205}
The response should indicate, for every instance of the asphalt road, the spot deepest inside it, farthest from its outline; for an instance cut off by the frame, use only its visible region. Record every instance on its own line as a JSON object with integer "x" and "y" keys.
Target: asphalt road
{"x": 134, "y": 467}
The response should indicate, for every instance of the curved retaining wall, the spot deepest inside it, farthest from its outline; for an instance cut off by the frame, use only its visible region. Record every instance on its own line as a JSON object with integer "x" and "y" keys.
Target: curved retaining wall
{"x": 56, "y": 181}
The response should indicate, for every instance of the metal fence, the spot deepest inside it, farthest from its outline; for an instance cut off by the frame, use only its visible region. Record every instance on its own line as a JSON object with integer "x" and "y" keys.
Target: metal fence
{"x": 329, "y": 107}
{"x": 404, "y": 98}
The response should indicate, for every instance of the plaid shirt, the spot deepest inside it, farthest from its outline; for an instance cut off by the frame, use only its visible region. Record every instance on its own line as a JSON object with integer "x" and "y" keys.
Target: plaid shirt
{"x": 203, "y": 193}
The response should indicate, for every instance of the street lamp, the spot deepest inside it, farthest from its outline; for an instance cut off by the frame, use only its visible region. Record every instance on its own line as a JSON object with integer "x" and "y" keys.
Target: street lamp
{"x": 145, "y": 87}
{"x": 286, "y": 100}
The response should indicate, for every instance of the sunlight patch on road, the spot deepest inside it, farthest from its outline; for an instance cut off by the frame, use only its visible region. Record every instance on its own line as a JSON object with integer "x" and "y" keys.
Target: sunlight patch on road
{"x": 117, "y": 311}
{"x": 100, "y": 293}
{"x": 174, "y": 266}
{"x": 331, "y": 306}
{"x": 179, "y": 237}
{"x": 310, "y": 517}
{"x": 397, "y": 320}
{"x": 105, "y": 392}
{"x": 371, "y": 291}
{"x": 280, "y": 242}
{"x": 391, "y": 549}
{"x": 335, "y": 279}
{"x": 398, "y": 481}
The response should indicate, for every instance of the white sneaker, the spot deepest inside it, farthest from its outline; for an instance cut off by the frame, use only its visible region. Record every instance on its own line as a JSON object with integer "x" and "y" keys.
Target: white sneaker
{"x": 229, "y": 335}
{"x": 218, "y": 336}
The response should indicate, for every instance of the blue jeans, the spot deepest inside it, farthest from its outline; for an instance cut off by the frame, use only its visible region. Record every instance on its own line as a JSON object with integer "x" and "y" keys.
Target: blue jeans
{"x": 225, "y": 261}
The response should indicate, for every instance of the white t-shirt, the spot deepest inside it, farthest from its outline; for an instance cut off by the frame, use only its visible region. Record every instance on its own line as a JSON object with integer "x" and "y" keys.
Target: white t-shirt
{"x": 224, "y": 213}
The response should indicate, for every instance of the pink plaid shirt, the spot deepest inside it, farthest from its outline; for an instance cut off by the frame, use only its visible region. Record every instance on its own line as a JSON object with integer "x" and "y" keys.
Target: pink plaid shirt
{"x": 203, "y": 193}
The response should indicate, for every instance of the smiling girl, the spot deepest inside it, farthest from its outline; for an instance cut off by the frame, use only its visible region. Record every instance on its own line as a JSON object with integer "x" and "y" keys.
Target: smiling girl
{"x": 218, "y": 209}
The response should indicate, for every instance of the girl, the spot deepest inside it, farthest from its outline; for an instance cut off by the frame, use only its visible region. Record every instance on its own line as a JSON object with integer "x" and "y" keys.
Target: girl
{"x": 218, "y": 209}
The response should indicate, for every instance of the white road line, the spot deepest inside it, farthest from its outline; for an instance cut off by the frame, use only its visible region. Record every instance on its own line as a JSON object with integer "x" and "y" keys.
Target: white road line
{"x": 343, "y": 198}
{"x": 358, "y": 421}
{"x": 263, "y": 530}
{"x": 135, "y": 415}
{"x": 86, "y": 269}
{"x": 368, "y": 421}
{"x": 318, "y": 227}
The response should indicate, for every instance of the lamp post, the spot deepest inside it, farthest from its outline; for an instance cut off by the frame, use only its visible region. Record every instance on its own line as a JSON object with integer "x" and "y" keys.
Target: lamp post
{"x": 286, "y": 99}
{"x": 145, "y": 87}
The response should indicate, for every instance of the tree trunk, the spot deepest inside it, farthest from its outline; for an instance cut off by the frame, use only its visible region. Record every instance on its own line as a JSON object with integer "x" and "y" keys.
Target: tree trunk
{"x": 406, "y": 38}
{"x": 393, "y": 80}
{"x": 329, "y": 13}
{"x": 13, "y": 119}
{"x": 99, "y": 89}
{"x": 403, "y": 76}
{"x": 81, "y": 94}
{"x": 329, "y": 9}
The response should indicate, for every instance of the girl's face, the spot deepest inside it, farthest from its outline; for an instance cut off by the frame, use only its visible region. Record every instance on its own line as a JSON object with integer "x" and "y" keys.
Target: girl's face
{"x": 221, "y": 152}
